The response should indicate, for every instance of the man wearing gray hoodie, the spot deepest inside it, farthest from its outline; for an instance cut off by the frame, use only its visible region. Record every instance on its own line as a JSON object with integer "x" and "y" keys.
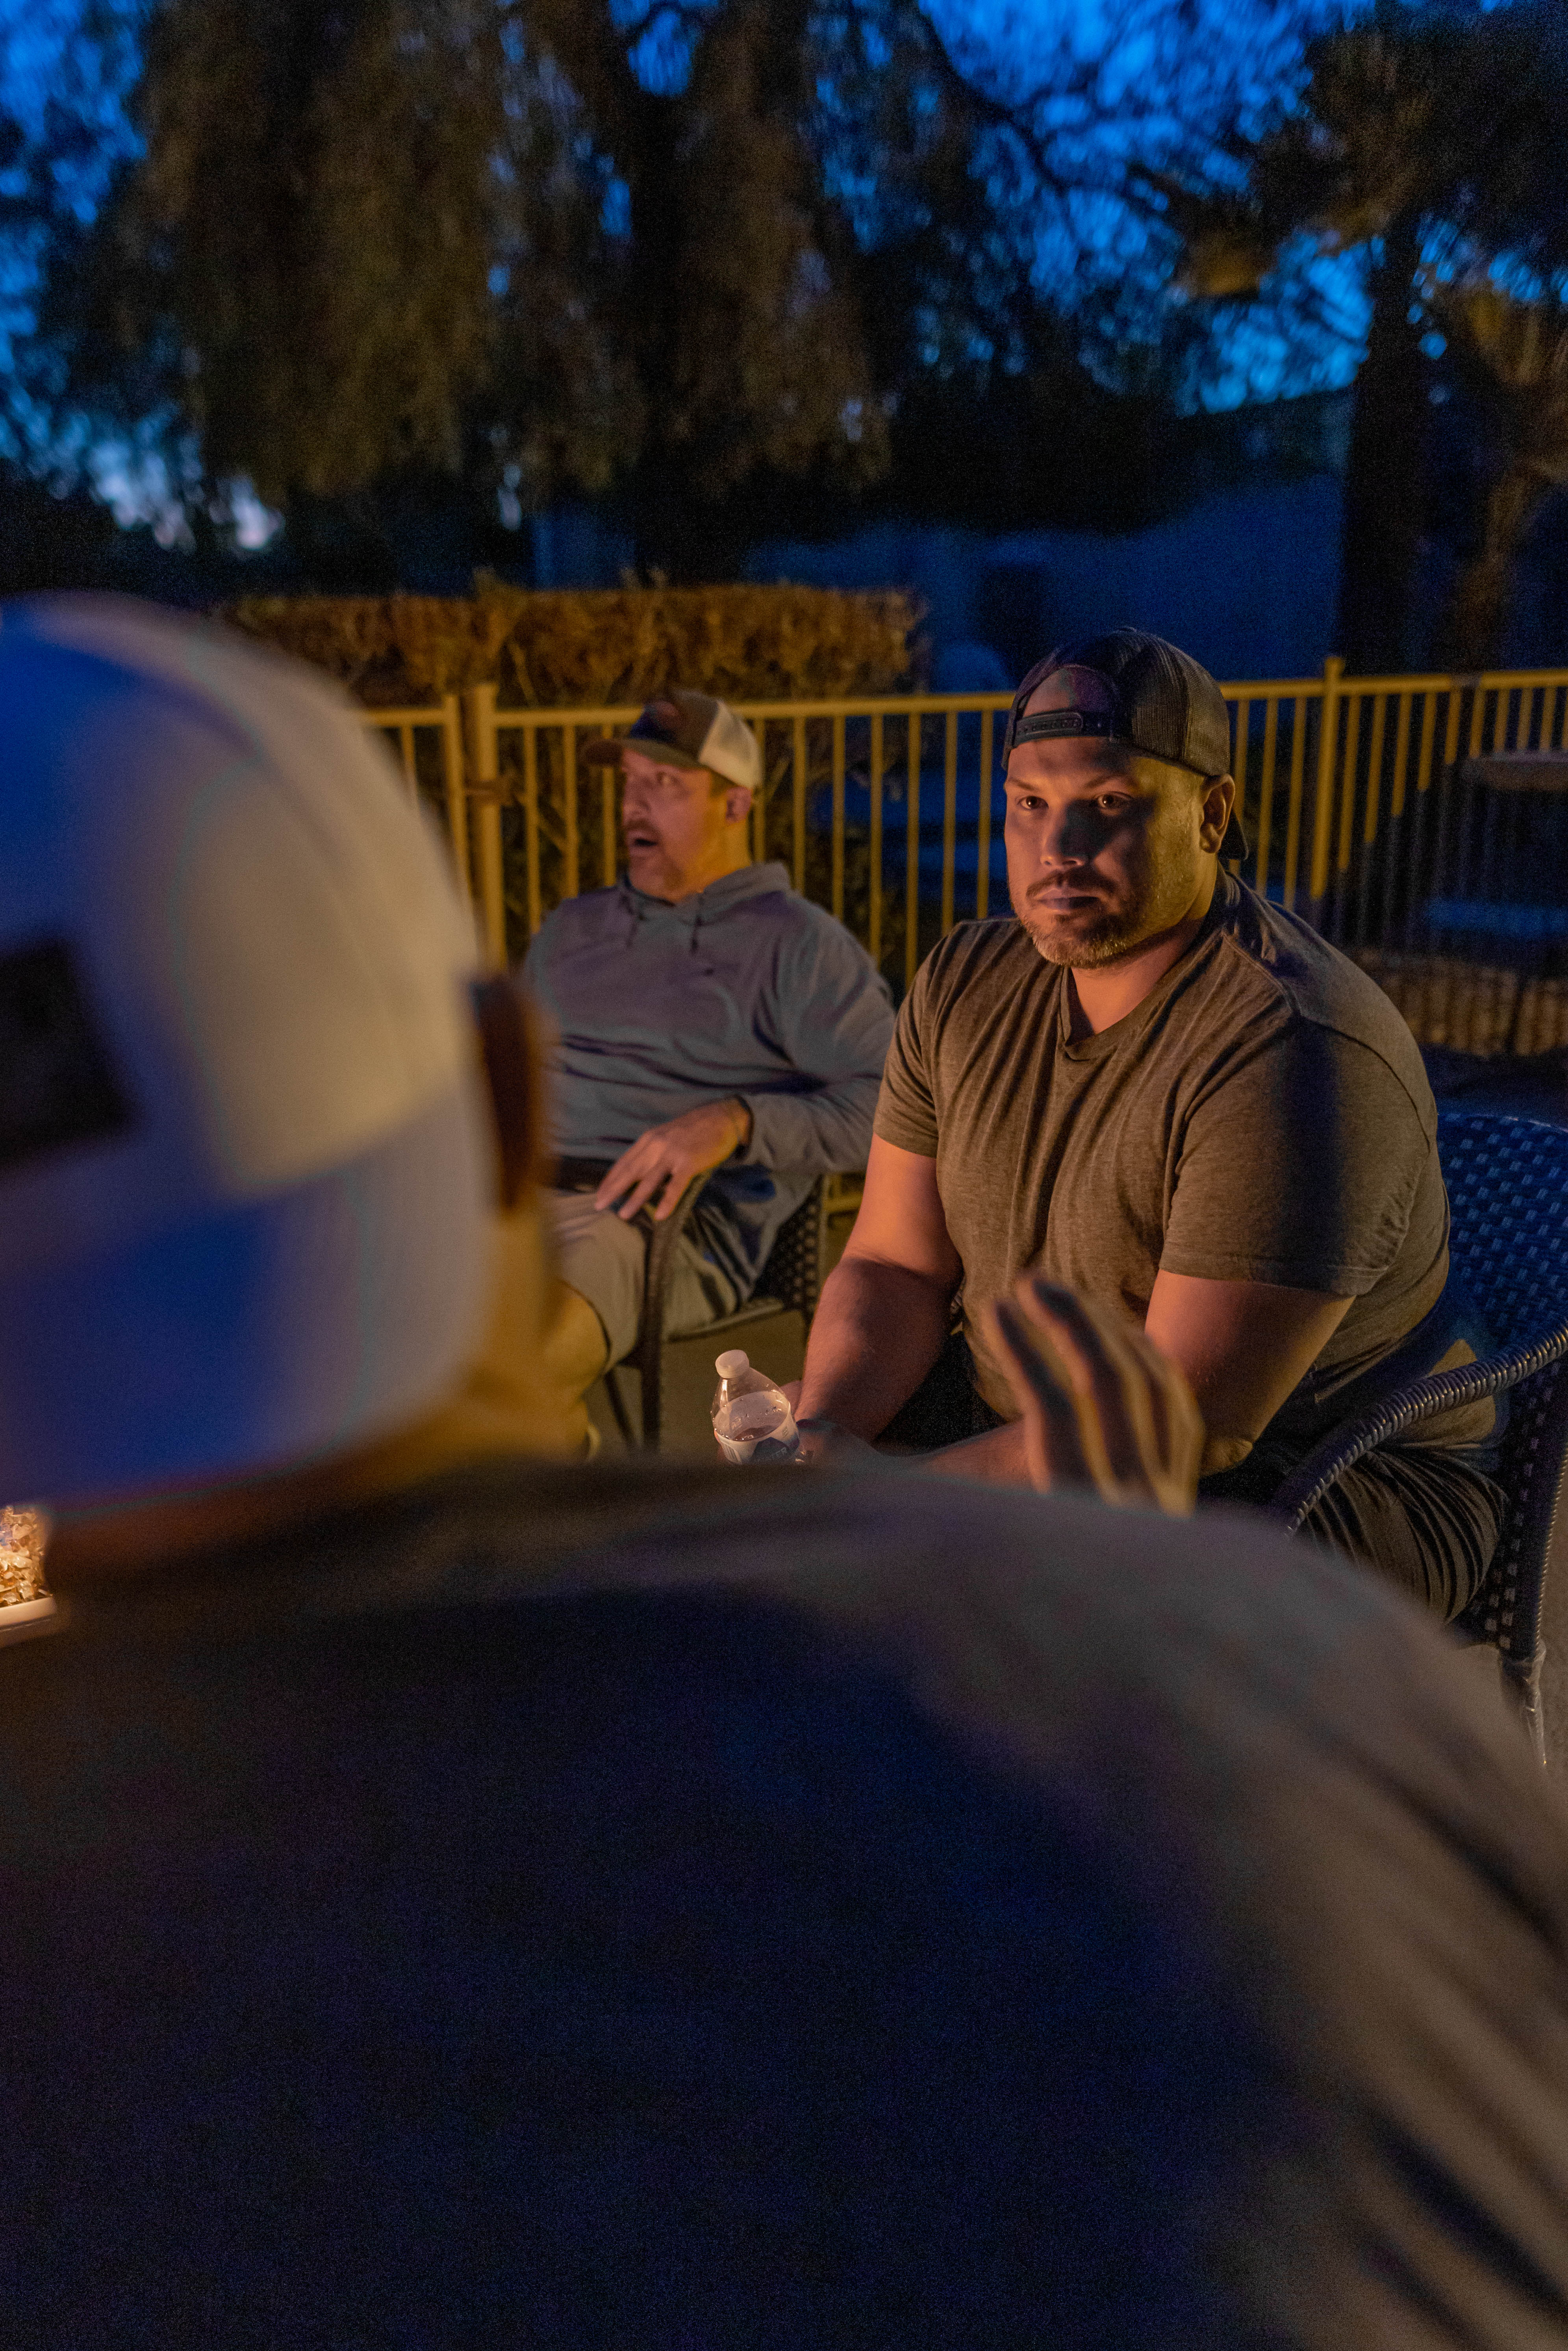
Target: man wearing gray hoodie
{"x": 707, "y": 1016}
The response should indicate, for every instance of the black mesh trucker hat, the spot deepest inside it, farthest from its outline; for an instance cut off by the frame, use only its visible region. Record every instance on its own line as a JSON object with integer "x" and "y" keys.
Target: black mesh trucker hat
{"x": 1162, "y": 702}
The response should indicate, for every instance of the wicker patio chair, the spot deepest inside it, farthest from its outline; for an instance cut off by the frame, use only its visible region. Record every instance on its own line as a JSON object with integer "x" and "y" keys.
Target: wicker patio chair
{"x": 790, "y": 1283}
{"x": 1508, "y": 1191}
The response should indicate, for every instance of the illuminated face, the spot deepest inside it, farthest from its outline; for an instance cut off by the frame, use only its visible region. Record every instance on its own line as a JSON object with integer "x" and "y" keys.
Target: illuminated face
{"x": 676, "y": 823}
{"x": 1106, "y": 848}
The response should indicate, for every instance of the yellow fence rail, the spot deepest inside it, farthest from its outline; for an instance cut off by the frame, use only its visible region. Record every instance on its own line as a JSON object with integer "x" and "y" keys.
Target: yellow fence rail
{"x": 1368, "y": 802}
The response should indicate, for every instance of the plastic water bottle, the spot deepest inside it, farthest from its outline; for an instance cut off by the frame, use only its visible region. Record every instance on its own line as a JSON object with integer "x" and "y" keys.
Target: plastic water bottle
{"x": 751, "y": 1417}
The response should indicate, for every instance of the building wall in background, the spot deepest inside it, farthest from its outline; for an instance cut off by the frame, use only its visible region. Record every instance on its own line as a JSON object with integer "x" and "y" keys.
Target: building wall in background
{"x": 1245, "y": 581}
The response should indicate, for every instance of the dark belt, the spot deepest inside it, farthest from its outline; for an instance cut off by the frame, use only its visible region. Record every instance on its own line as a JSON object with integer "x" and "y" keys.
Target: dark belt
{"x": 580, "y": 1174}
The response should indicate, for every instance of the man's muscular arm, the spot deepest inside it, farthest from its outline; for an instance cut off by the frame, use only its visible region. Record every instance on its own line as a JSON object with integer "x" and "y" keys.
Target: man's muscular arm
{"x": 1243, "y": 1345}
{"x": 884, "y": 1308}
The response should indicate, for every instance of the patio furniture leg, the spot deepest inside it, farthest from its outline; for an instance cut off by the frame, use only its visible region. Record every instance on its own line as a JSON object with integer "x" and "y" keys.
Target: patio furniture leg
{"x": 618, "y": 1406}
{"x": 1521, "y": 1682}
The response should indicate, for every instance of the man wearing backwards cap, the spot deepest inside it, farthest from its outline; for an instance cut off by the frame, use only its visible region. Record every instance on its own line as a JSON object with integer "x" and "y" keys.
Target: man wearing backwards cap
{"x": 448, "y": 1896}
{"x": 1175, "y": 1098}
{"x": 706, "y": 1018}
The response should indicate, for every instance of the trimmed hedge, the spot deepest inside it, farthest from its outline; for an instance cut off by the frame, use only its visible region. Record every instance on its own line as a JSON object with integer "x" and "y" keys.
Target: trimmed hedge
{"x": 563, "y": 649}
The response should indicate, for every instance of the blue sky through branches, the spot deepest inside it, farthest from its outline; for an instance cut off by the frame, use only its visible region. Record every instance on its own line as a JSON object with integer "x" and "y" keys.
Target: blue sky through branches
{"x": 1168, "y": 70}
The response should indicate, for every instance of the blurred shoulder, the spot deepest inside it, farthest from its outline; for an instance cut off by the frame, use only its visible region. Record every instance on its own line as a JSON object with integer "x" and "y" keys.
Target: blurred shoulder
{"x": 592, "y": 916}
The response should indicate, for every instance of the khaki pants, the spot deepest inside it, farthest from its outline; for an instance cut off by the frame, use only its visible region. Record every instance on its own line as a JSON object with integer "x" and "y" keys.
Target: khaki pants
{"x": 604, "y": 1259}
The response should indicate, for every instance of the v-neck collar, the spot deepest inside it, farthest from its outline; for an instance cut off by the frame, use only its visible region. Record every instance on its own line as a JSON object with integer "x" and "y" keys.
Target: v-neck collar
{"x": 1104, "y": 1042}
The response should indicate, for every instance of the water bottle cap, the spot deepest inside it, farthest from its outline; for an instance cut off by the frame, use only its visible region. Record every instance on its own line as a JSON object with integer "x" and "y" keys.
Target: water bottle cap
{"x": 731, "y": 1365}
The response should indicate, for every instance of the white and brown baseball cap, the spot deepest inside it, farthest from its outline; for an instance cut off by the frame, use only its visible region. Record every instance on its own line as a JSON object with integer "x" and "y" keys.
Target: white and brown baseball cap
{"x": 688, "y": 730}
{"x": 246, "y": 1164}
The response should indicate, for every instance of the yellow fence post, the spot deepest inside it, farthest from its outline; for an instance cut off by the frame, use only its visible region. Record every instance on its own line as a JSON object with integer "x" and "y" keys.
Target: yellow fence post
{"x": 531, "y": 819}
{"x": 609, "y": 777}
{"x": 837, "y": 892}
{"x": 758, "y": 817}
{"x": 483, "y": 753}
{"x": 1262, "y": 844}
{"x": 455, "y": 779}
{"x": 874, "y": 879}
{"x": 1322, "y": 802}
{"x": 950, "y": 816}
{"x": 1238, "y": 755}
{"x": 912, "y": 844}
{"x": 983, "y": 825}
{"x": 1348, "y": 776}
{"x": 459, "y": 740}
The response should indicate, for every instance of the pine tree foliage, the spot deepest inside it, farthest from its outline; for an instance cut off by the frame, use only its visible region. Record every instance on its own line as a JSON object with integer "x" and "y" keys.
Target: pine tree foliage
{"x": 808, "y": 219}
{"x": 310, "y": 234}
{"x": 1433, "y": 117}
{"x": 1425, "y": 141}
{"x": 761, "y": 346}
{"x": 378, "y": 234}
{"x": 566, "y": 245}
{"x": 719, "y": 334}
{"x": 1514, "y": 352}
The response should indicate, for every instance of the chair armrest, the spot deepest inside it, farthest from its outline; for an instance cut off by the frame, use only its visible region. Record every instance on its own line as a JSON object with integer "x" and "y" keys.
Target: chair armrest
{"x": 793, "y": 1271}
{"x": 585, "y": 1175}
{"x": 1419, "y": 1400}
{"x": 662, "y": 1240}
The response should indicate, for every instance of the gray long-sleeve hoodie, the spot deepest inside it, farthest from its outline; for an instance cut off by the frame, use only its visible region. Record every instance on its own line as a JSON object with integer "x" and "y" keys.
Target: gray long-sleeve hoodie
{"x": 745, "y": 988}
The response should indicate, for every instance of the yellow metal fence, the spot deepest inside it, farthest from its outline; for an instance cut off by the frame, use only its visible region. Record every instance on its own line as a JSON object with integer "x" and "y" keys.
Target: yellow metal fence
{"x": 1364, "y": 801}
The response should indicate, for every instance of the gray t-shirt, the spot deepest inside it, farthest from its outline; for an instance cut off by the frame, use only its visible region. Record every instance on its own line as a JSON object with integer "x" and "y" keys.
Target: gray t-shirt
{"x": 1262, "y": 1115}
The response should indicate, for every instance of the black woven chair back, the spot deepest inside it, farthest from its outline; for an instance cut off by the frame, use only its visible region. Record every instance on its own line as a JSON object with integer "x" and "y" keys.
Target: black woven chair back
{"x": 1508, "y": 1195}
{"x": 793, "y": 1273}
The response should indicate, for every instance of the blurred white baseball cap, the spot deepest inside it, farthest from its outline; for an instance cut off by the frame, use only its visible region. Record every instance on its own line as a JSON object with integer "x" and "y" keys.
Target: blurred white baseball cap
{"x": 245, "y": 1168}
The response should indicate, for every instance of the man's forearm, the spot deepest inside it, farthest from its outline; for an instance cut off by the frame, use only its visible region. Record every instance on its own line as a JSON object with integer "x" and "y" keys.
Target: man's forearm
{"x": 996, "y": 1458}
{"x": 826, "y": 1128}
{"x": 878, "y": 1330}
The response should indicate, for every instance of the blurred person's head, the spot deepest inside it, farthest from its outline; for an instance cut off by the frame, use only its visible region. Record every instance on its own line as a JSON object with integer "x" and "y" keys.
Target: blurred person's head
{"x": 256, "y": 1197}
{"x": 1119, "y": 798}
{"x": 689, "y": 770}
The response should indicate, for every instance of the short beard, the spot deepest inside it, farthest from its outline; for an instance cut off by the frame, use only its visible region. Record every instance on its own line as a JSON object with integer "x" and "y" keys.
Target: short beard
{"x": 1107, "y": 942}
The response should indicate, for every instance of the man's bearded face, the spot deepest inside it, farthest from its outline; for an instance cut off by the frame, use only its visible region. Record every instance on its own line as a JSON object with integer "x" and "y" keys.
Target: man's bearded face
{"x": 1105, "y": 846}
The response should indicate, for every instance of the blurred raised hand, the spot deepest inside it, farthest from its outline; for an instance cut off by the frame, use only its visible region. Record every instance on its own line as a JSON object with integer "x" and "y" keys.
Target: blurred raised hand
{"x": 1101, "y": 1406}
